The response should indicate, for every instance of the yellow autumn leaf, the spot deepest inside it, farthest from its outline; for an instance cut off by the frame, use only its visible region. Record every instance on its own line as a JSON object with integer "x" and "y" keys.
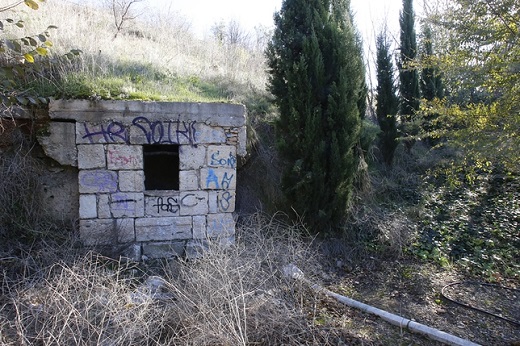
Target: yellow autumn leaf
{"x": 28, "y": 57}
{"x": 32, "y": 4}
{"x": 42, "y": 51}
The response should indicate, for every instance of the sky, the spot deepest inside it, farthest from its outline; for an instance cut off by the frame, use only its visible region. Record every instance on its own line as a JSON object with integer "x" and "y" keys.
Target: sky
{"x": 202, "y": 14}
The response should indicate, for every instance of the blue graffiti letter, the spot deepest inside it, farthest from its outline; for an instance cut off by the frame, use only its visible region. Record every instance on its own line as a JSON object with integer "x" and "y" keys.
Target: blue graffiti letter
{"x": 212, "y": 178}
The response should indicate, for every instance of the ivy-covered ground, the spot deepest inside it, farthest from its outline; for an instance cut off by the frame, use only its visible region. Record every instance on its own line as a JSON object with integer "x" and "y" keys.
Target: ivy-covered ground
{"x": 440, "y": 237}
{"x": 473, "y": 223}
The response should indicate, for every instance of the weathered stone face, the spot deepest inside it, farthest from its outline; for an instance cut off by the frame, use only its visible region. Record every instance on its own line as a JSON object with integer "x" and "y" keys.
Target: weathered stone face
{"x": 119, "y": 147}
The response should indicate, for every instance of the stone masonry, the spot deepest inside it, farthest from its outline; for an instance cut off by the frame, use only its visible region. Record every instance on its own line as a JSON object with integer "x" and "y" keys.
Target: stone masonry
{"x": 157, "y": 177}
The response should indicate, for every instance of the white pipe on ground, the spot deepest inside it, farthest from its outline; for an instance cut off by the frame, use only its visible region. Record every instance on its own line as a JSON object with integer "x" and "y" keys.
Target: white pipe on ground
{"x": 294, "y": 272}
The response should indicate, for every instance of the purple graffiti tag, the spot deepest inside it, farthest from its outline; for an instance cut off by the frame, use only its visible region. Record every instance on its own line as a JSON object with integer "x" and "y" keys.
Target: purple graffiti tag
{"x": 99, "y": 181}
{"x": 226, "y": 180}
{"x": 114, "y": 131}
{"x": 216, "y": 160}
{"x": 189, "y": 131}
{"x": 166, "y": 132}
{"x": 121, "y": 202}
{"x": 224, "y": 200}
{"x": 136, "y": 123}
{"x": 155, "y": 132}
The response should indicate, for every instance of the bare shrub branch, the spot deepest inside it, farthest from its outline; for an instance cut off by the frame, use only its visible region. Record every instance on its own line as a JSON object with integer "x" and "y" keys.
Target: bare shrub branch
{"x": 234, "y": 295}
{"x": 20, "y": 190}
{"x": 122, "y": 13}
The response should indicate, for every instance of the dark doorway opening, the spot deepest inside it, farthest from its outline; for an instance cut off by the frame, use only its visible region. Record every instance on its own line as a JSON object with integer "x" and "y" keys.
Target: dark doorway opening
{"x": 161, "y": 167}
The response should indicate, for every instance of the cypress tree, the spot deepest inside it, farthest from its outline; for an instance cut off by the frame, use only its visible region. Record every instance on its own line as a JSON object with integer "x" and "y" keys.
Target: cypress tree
{"x": 408, "y": 74}
{"x": 316, "y": 77}
{"x": 386, "y": 99}
{"x": 431, "y": 84}
{"x": 431, "y": 79}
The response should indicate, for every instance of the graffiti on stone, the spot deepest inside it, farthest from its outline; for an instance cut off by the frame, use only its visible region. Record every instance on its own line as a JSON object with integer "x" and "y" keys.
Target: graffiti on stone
{"x": 98, "y": 181}
{"x": 155, "y": 132}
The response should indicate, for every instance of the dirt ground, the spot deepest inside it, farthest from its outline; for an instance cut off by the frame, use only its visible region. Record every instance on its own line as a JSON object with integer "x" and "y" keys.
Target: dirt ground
{"x": 413, "y": 290}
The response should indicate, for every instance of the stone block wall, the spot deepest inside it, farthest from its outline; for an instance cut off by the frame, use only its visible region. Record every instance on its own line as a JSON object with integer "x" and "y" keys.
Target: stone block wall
{"x": 159, "y": 177}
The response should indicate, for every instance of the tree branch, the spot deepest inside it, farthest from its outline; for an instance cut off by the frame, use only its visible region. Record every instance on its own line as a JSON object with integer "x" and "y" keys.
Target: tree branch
{"x": 8, "y": 7}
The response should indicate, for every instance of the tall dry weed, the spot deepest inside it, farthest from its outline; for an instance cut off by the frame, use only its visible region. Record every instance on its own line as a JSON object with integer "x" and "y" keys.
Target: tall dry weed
{"x": 237, "y": 295}
{"x": 230, "y": 296}
{"x": 21, "y": 210}
{"x": 85, "y": 302}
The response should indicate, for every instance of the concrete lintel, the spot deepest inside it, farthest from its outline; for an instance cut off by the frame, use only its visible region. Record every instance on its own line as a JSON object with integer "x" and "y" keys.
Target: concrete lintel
{"x": 215, "y": 114}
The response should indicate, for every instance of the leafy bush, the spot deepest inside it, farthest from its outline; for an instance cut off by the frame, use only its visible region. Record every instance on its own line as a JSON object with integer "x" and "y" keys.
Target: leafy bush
{"x": 21, "y": 58}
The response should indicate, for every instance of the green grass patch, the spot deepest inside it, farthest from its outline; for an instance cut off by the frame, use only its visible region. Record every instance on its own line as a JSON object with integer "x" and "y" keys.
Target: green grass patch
{"x": 130, "y": 87}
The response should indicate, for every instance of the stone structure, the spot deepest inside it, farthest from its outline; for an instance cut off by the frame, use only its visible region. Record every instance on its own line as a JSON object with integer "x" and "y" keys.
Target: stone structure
{"x": 156, "y": 178}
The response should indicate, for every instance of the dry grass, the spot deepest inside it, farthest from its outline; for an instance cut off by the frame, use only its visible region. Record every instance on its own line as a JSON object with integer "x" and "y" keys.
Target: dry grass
{"x": 21, "y": 209}
{"x": 156, "y": 57}
{"x": 55, "y": 295}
